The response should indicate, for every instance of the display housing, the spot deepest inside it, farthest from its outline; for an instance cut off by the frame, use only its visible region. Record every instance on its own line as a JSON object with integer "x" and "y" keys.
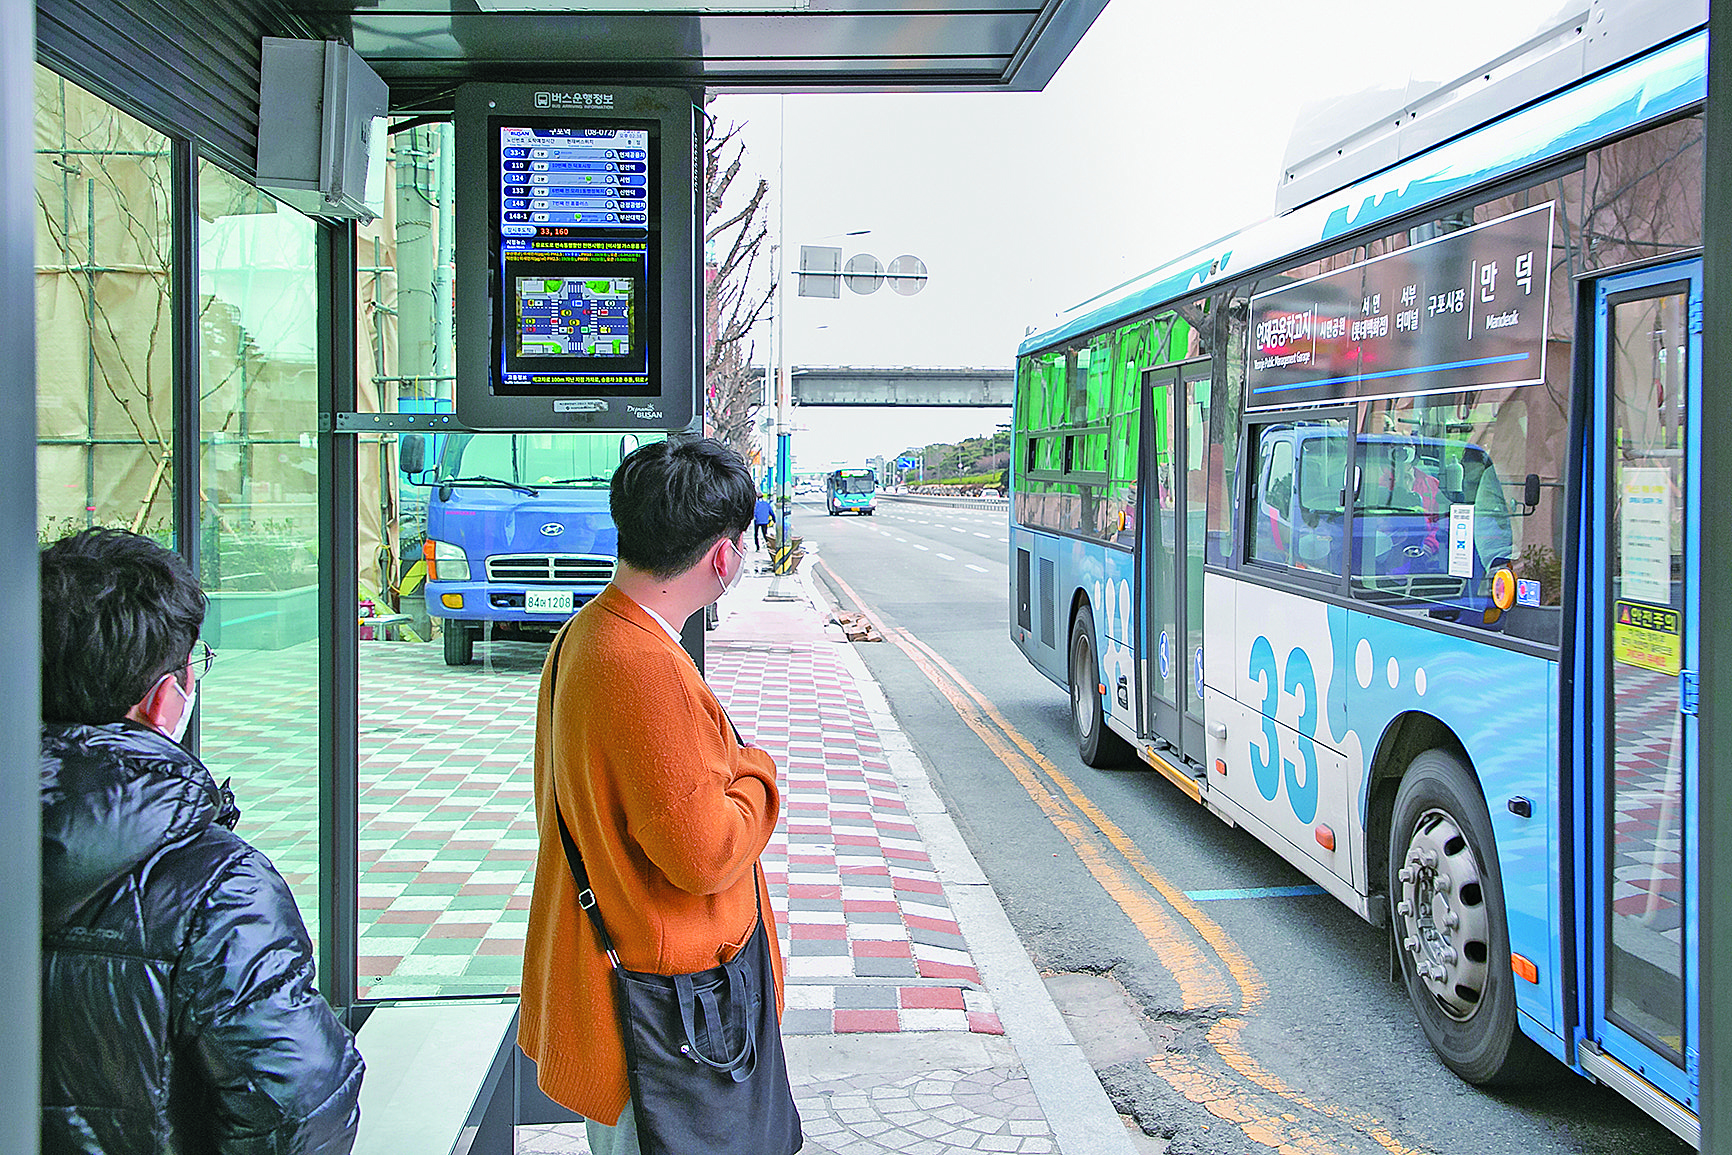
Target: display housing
{"x": 576, "y": 258}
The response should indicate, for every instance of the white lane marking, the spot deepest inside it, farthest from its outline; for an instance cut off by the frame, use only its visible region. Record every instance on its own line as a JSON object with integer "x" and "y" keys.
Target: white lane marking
{"x": 977, "y": 533}
{"x": 903, "y": 540}
{"x": 976, "y": 569}
{"x": 946, "y": 557}
{"x": 917, "y": 545}
{"x": 958, "y": 529}
{"x": 1004, "y": 540}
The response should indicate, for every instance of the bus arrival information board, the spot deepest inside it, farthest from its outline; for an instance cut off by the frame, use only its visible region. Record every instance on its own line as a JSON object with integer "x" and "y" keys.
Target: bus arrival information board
{"x": 574, "y": 238}
{"x": 1466, "y": 310}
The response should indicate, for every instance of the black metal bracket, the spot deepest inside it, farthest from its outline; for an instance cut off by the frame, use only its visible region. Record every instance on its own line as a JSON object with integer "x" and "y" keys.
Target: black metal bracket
{"x": 388, "y": 422}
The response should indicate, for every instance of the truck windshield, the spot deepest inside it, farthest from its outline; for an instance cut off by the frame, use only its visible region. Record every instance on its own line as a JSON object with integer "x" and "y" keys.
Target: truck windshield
{"x": 541, "y": 460}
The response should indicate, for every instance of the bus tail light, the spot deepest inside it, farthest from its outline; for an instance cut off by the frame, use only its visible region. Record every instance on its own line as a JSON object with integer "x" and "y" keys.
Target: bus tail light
{"x": 1325, "y": 837}
{"x": 1524, "y": 969}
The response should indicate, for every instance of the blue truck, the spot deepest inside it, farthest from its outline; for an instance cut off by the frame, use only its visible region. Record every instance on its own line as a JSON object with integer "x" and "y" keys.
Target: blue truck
{"x": 518, "y": 531}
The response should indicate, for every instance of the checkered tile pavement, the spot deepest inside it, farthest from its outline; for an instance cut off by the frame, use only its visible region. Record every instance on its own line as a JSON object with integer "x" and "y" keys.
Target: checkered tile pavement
{"x": 1647, "y": 834}
{"x": 869, "y": 938}
{"x": 447, "y": 826}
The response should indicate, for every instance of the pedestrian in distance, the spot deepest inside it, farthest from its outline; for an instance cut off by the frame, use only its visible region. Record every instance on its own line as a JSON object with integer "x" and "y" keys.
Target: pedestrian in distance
{"x": 762, "y": 512}
{"x": 178, "y": 1007}
{"x": 667, "y": 808}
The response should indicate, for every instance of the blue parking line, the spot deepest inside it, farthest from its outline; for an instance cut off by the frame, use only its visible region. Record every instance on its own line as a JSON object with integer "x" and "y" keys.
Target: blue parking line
{"x": 1254, "y": 892}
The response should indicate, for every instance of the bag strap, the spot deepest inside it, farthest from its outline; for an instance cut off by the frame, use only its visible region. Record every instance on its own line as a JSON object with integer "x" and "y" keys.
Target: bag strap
{"x": 574, "y": 858}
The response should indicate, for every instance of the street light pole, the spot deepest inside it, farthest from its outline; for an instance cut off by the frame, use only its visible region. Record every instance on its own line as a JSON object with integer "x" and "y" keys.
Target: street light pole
{"x": 779, "y": 334}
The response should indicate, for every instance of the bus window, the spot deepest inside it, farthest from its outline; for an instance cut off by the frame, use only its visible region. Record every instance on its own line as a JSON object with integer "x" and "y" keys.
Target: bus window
{"x": 1272, "y": 500}
{"x": 1300, "y": 495}
{"x": 1430, "y": 468}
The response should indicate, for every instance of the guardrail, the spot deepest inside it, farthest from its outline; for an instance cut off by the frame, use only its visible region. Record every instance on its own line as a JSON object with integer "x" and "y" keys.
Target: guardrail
{"x": 953, "y": 502}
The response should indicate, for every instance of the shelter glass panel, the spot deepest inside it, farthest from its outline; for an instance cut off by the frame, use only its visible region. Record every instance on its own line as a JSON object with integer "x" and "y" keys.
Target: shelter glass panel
{"x": 104, "y": 408}
{"x": 259, "y": 517}
{"x": 447, "y": 703}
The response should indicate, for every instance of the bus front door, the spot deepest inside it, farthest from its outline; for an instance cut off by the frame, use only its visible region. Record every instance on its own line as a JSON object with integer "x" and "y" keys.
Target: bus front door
{"x": 1174, "y": 484}
{"x": 1635, "y": 735}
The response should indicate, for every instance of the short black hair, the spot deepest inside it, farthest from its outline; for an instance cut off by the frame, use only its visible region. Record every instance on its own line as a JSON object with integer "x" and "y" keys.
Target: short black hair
{"x": 674, "y": 499}
{"x": 118, "y": 612}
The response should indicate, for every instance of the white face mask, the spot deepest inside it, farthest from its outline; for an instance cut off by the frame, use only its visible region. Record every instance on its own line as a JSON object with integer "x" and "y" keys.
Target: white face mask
{"x": 725, "y": 583}
{"x": 178, "y": 730}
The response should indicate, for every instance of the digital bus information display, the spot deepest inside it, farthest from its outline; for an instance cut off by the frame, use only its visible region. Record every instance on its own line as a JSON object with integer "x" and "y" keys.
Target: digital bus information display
{"x": 573, "y": 212}
{"x": 1466, "y": 310}
{"x": 579, "y": 282}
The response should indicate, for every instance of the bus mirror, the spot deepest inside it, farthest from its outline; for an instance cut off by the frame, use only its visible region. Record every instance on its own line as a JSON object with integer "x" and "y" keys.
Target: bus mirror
{"x": 1531, "y": 492}
{"x": 412, "y": 453}
{"x": 627, "y": 443}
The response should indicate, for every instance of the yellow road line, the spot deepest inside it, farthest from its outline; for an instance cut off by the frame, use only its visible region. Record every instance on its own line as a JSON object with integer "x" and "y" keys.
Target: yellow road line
{"x": 1200, "y": 982}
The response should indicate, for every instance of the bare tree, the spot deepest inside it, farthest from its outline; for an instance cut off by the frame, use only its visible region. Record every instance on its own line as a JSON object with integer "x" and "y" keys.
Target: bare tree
{"x": 738, "y": 290}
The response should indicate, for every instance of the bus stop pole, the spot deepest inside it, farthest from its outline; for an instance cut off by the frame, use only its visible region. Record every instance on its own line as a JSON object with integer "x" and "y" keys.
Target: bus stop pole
{"x": 1714, "y": 728}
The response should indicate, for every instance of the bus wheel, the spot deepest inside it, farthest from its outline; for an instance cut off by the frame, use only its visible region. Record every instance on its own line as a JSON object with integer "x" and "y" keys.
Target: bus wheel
{"x": 1446, "y": 898}
{"x": 459, "y": 644}
{"x": 1099, "y": 746}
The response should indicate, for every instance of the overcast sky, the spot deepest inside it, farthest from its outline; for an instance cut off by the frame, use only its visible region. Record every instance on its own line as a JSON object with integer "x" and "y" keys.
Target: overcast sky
{"x": 1165, "y": 129}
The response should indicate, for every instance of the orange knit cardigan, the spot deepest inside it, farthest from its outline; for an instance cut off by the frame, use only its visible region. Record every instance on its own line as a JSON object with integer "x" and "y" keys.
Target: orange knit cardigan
{"x": 670, "y": 815}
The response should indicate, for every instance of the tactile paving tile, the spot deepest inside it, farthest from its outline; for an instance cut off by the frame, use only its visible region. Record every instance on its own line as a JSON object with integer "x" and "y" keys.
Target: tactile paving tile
{"x": 448, "y": 837}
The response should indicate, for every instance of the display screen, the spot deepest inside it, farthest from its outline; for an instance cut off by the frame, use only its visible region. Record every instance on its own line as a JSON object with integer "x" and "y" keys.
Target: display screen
{"x": 576, "y": 251}
{"x": 1466, "y": 310}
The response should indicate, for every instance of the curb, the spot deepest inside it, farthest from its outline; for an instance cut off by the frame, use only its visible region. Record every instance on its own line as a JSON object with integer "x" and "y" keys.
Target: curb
{"x": 1083, "y": 1120}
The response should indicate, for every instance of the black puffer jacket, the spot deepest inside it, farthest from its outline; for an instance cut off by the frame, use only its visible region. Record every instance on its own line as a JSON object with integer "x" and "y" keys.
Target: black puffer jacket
{"x": 178, "y": 1009}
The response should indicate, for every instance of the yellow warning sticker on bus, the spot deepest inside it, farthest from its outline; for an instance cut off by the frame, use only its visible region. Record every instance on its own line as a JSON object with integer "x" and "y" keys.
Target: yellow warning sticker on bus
{"x": 1648, "y": 637}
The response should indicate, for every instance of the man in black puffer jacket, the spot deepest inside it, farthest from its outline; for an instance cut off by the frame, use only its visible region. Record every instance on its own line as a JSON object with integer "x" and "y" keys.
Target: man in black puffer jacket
{"x": 178, "y": 1009}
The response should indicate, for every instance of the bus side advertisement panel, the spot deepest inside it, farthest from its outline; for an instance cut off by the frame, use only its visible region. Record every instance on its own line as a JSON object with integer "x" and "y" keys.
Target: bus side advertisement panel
{"x": 1110, "y": 595}
{"x": 1288, "y": 763}
{"x": 1499, "y": 704}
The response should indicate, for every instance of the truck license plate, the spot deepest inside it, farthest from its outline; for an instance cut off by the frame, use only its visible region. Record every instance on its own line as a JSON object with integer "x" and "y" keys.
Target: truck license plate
{"x": 547, "y": 602}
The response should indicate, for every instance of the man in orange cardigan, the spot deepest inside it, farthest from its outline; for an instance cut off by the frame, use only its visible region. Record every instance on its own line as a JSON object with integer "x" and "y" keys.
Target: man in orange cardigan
{"x": 669, "y": 812}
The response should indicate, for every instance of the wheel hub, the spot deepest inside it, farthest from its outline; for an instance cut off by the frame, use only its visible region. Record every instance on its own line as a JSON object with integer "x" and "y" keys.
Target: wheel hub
{"x": 1082, "y": 685}
{"x": 1444, "y": 924}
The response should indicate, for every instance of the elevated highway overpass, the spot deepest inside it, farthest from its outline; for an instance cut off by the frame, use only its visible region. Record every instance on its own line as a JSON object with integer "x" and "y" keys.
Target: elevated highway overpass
{"x": 845, "y": 385}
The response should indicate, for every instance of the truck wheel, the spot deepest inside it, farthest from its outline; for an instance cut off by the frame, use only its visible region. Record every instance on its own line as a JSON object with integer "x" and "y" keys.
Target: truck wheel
{"x": 1446, "y": 898}
{"x": 1099, "y": 746}
{"x": 459, "y": 644}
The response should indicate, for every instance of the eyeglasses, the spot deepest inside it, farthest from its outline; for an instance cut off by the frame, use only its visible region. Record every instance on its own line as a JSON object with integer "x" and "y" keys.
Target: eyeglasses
{"x": 200, "y": 659}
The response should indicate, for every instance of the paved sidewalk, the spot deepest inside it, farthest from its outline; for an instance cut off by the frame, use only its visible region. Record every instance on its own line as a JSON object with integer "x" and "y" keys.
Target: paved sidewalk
{"x": 915, "y": 1023}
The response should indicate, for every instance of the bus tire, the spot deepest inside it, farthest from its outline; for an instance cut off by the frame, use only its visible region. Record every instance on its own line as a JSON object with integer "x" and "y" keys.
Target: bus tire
{"x": 1447, "y": 915}
{"x": 1099, "y": 746}
{"x": 459, "y": 644}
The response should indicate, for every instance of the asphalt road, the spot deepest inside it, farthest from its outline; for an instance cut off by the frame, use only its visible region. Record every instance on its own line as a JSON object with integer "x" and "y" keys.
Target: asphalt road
{"x": 1246, "y": 1025}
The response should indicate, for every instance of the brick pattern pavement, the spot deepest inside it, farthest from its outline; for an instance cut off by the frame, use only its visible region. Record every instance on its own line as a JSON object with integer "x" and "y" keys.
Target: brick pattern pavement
{"x": 447, "y": 835}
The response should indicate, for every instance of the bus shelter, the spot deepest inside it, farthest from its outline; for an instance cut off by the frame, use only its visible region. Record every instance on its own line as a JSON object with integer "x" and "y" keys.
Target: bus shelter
{"x": 209, "y": 359}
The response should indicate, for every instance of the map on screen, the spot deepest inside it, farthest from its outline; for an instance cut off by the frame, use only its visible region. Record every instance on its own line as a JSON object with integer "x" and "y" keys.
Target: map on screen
{"x": 574, "y": 316}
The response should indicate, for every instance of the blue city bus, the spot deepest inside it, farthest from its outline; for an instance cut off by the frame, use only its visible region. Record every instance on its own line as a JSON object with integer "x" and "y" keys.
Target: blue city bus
{"x": 518, "y": 532}
{"x": 851, "y": 491}
{"x": 1373, "y": 527}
